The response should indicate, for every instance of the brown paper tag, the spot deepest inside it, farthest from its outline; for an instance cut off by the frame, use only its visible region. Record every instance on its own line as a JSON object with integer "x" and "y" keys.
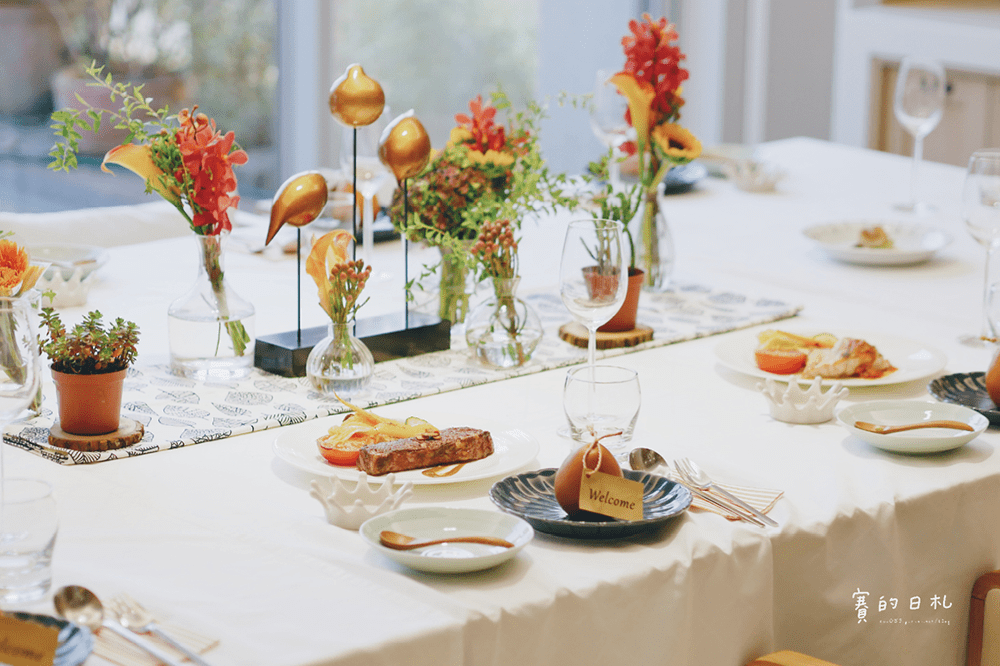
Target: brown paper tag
{"x": 611, "y": 495}
{"x": 27, "y": 643}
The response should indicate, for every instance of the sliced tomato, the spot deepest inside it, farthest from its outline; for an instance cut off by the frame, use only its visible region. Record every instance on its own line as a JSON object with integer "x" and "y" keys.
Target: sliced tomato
{"x": 780, "y": 361}
{"x": 342, "y": 456}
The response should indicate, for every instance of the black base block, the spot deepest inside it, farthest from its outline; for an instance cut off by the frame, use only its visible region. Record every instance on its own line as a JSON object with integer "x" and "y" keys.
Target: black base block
{"x": 285, "y": 354}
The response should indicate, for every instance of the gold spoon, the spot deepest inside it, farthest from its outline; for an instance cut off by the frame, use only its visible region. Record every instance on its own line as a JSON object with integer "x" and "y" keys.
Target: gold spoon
{"x": 888, "y": 430}
{"x": 398, "y": 541}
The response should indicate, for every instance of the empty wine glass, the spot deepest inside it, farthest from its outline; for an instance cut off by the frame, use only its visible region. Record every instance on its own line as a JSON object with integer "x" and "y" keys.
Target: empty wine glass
{"x": 981, "y": 212}
{"x": 918, "y": 105}
{"x": 593, "y": 275}
{"x": 607, "y": 120}
{"x": 19, "y": 367}
{"x": 371, "y": 175}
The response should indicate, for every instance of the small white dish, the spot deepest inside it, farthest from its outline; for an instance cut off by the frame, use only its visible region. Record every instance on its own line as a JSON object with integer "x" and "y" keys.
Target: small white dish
{"x": 68, "y": 260}
{"x": 429, "y": 523}
{"x": 791, "y": 404}
{"x": 901, "y": 412}
{"x": 912, "y": 243}
{"x": 350, "y": 507}
{"x": 753, "y": 176}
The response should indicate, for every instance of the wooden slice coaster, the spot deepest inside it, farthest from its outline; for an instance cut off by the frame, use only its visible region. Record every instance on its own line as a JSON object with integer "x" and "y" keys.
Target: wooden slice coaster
{"x": 576, "y": 334}
{"x": 129, "y": 432}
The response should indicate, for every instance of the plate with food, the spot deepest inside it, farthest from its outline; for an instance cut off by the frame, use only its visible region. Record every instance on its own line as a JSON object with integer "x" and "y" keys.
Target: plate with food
{"x": 960, "y": 425}
{"x": 853, "y": 359}
{"x": 878, "y": 242}
{"x": 439, "y": 524}
{"x": 427, "y": 450}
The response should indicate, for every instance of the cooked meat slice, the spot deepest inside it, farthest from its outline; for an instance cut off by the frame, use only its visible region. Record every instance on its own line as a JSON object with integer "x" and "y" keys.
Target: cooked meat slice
{"x": 850, "y": 357}
{"x": 451, "y": 445}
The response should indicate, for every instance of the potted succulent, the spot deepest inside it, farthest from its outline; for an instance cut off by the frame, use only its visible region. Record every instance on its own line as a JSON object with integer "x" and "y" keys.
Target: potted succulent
{"x": 89, "y": 364}
{"x": 622, "y": 206}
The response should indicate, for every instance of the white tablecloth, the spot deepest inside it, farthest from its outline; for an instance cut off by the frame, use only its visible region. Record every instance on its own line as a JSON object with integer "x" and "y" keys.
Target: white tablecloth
{"x": 224, "y": 537}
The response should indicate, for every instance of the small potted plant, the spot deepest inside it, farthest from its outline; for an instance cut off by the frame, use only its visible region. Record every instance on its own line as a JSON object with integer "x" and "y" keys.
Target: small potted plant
{"x": 89, "y": 364}
{"x": 622, "y": 206}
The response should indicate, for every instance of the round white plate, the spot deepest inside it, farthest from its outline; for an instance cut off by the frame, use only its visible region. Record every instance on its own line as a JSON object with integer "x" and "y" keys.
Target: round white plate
{"x": 86, "y": 258}
{"x": 913, "y": 360}
{"x": 430, "y": 523}
{"x": 912, "y": 243}
{"x": 900, "y": 412}
{"x": 512, "y": 448}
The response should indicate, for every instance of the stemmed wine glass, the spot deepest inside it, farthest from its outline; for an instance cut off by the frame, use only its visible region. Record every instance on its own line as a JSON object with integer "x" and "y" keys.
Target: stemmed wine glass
{"x": 918, "y": 105}
{"x": 371, "y": 175}
{"x": 19, "y": 367}
{"x": 607, "y": 119}
{"x": 981, "y": 212}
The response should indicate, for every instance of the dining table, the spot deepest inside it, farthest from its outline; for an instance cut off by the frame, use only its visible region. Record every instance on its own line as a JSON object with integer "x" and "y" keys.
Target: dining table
{"x": 873, "y": 558}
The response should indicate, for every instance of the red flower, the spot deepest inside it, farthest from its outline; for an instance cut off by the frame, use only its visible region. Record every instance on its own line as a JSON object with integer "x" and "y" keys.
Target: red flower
{"x": 650, "y": 56}
{"x": 208, "y": 159}
{"x": 485, "y": 134}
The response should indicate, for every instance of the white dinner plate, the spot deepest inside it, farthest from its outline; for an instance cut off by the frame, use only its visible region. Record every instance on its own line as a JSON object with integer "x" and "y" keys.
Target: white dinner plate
{"x": 900, "y": 412}
{"x": 438, "y": 522}
{"x": 913, "y": 360}
{"x": 85, "y": 258}
{"x": 512, "y": 448}
{"x": 912, "y": 243}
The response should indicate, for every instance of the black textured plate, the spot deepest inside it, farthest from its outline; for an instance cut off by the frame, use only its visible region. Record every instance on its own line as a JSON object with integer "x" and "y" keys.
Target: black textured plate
{"x": 683, "y": 178}
{"x": 966, "y": 388}
{"x": 75, "y": 642}
{"x": 531, "y": 496}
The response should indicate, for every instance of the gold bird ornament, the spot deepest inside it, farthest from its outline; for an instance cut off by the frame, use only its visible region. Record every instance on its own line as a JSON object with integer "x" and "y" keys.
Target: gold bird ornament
{"x": 405, "y": 147}
{"x": 356, "y": 99}
{"x": 298, "y": 201}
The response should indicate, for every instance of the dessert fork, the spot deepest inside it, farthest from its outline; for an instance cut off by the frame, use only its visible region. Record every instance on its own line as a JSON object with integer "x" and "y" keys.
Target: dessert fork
{"x": 701, "y": 481}
{"x": 134, "y": 617}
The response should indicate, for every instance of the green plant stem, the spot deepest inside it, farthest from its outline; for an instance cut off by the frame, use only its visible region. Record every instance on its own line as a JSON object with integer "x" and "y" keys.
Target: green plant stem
{"x": 454, "y": 301}
{"x": 211, "y": 255}
{"x": 504, "y": 290}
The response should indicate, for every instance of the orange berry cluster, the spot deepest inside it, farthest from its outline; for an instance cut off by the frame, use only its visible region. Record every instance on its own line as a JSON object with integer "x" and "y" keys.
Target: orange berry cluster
{"x": 347, "y": 281}
{"x": 496, "y": 249}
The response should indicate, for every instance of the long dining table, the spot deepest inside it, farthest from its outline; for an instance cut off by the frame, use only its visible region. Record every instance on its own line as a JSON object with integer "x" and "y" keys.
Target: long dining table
{"x": 223, "y": 536}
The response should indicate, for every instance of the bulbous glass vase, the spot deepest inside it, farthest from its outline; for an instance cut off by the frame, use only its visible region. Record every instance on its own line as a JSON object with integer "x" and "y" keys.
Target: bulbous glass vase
{"x": 503, "y": 331}
{"x": 340, "y": 363}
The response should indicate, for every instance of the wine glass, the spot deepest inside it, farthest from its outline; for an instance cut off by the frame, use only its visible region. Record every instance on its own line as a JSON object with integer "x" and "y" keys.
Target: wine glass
{"x": 607, "y": 120}
{"x": 593, "y": 275}
{"x": 371, "y": 175}
{"x": 918, "y": 105}
{"x": 981, "y": 212}
{"x": 19, "y": 367}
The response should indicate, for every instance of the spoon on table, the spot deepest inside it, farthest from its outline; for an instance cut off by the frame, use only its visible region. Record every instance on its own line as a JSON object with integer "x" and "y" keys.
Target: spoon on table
{"x": 648, "y": 460}
{"x": 398, "y": 541}
{"x": 80, "y": 605}
{"x": 888, "y": 430}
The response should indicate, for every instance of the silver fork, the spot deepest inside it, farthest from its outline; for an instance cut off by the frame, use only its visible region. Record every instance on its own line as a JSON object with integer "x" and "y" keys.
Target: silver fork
{"x": 714, "y": 500}
{"x": 702, "y": 481}
{"x": 134, "y": 617}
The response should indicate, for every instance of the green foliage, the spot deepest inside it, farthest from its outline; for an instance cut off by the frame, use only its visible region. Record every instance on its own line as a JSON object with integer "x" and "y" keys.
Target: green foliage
{"x": 89, "y": 348}
{"x": 621, "y": 205}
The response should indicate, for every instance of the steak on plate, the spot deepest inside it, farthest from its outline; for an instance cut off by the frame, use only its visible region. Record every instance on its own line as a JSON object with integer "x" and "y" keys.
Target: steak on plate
{"x": 448, "y": 446}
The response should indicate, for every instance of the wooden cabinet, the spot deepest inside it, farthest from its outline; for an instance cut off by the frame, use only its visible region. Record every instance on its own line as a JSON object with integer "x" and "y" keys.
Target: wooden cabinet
{"x": 971, "y": 118}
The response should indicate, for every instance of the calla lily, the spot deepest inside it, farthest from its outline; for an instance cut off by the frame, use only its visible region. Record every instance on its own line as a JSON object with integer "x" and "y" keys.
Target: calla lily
{"x": 139, "y": 160}
{"x": 640, "y": 96}
{"x": 329, "y": 250}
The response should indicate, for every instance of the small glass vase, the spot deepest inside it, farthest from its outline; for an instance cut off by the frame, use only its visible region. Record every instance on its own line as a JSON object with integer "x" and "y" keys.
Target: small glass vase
{"x": 340, "y": 363}
{"x": 211, "y": 328}
{"x": 456, "y": 288}
{"x": 655, "y": 250}
{"x": 503, "y": 331}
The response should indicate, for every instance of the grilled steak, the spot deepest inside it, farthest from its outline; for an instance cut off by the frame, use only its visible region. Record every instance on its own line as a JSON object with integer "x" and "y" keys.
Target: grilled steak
{"x": 451, "y": 445}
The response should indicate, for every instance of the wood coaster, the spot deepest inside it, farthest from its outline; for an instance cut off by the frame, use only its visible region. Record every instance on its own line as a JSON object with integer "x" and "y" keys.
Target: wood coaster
{"x": 576, "y": 334}
{"x": 129, "y": 432}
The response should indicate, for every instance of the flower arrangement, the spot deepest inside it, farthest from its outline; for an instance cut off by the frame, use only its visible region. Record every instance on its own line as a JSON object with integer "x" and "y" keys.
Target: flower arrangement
{"x": 182, "y": 157}
{"x": 487, "y": 171}
{"x": 17, "y": 273}
{"x": 651, "y": 81}
{"x": 89, "y": 348}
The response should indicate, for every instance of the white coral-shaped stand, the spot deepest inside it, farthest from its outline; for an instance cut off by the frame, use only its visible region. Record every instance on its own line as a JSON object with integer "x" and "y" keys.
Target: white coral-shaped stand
{"x": 793, "y": 405}
{"x": 69, "y": 291}
{"x": 349, "y": 508}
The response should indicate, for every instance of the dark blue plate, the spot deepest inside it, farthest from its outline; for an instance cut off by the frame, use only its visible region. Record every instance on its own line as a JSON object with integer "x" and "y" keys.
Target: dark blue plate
{"x": 683, "y": 178}
{"x": 966, "y": 388}
{"x": 532, "y": 496}
{"x": 75, "y": 642}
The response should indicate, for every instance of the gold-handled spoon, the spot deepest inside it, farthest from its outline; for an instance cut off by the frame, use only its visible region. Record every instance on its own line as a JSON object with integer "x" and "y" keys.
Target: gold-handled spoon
{"x": 398, "y": 541}
{"x": 888, "y": 430}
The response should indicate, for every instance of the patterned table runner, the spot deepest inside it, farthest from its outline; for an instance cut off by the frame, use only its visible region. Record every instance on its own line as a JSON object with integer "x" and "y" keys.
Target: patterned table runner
{"x": 177, "y": 411}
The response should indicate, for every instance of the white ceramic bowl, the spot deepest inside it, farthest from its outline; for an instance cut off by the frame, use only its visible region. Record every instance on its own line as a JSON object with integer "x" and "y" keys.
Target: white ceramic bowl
{"x": 429, "y": 523}
{"x": 69, "y": 259}
{"x": 912, "y": 243}
{"x": 900, "y": 412}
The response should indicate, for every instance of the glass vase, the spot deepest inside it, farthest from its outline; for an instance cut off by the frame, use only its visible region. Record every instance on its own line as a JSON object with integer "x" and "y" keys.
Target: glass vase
{"x": 340, "y": 363}
{"x": 503, "y": 331}
{"x": 211, "y": 328}
{"x": 655, "y": 251}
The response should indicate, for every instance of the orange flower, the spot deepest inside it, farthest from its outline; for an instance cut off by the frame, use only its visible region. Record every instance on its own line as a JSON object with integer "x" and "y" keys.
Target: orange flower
{"x": 485, "y": 134}
{"x": 676, "y": 143}
{"x": 651, "y": 57}
{"x": 328, "y": 251}
{"x": 139, "y": 160}
{"x": 640, "y": 96}
{"x": 17, "y": 275}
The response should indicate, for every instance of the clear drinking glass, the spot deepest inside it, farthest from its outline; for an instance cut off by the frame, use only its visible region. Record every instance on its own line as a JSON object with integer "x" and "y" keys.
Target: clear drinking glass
{"x": 602, "y": 400}
{"x": 371, "y": 175}
{"x": 918, "y": 104}
{"x": 607, "y": 120}
{"x": 28, "y": 525}
{"x": 981, "y": 212}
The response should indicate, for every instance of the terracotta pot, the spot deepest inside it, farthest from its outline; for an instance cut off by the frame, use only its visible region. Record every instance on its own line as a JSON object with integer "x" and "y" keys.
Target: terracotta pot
{"x": 89, "y": 404}
{"x": 624, "y": 319}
